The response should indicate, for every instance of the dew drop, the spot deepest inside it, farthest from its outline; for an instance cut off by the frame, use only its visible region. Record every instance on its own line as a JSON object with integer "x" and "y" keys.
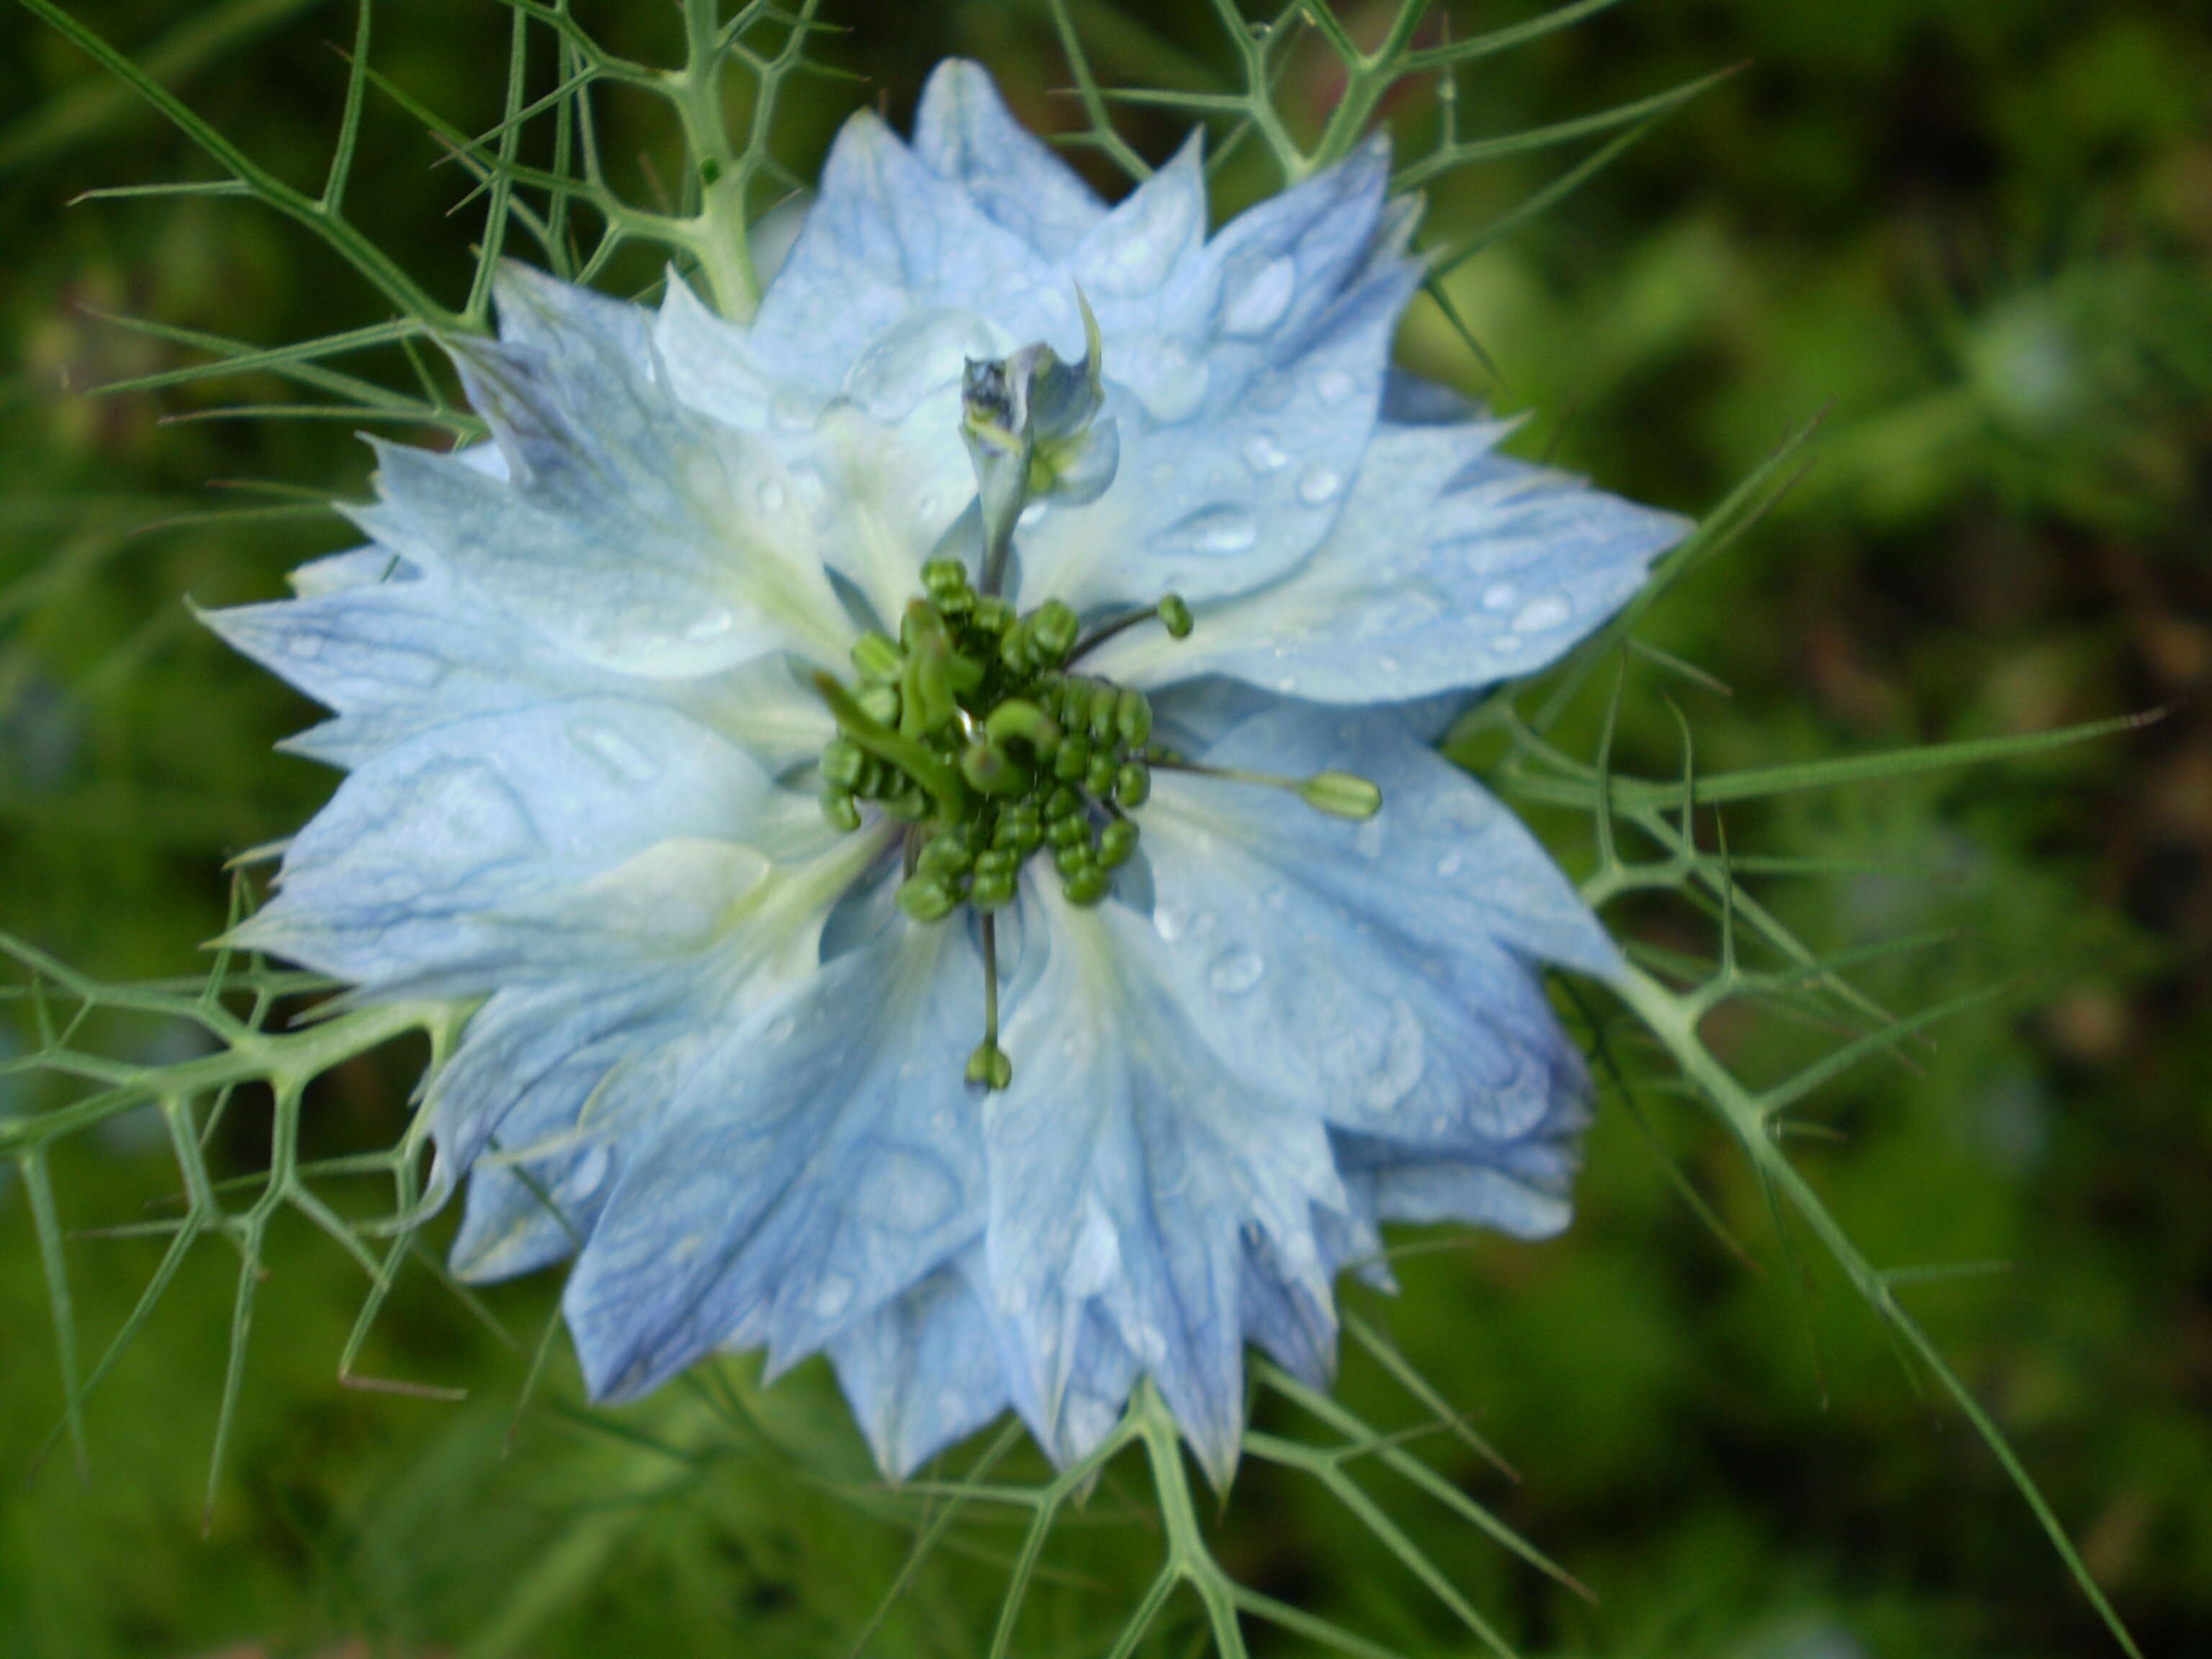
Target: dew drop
{"x": 778, "y": 1031}
{"x": 1449, "y": 865}
{"x": 1499, "y": 596}
{"x": 1214, "y": 530}
{"x": 1029, "y": 516}
{"x": 1264, "y": 455}
{"x": 1260, "y": 303}
{"x": 1169, "y": 919}
{"x": 711, "y": 626}
{"x": 620, "y": 756}
{"x": 590, "y": 1173}
{"x": 771, "y": 496}
{"x": 1235, "y": 971}
{"x": 1168, "y": 382}
{"x": 1320, "y": 485}
{"x": 1333, "y": 385}
{"x": 1538, "y": 615}
{"x": 832, "y": 1296}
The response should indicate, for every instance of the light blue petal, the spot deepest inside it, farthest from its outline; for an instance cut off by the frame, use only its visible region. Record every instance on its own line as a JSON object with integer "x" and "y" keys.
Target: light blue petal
{"x": 886, "y": 236}
{"x": 1522, "y": 1189}
{"x": 1451, "y": 567}
{"x": 922, "y": 1371}
{"x": 813, "y": 1168}
{"x": 644, "y": 536}
{"x": 398, "y": 657}
{"x": 1127, "y": 1171}
{"x": 1443, "y": 864}
{"x": 406, "y": 874}
{"x": 964, "y": 132}
{"x": 1241, "y": 395}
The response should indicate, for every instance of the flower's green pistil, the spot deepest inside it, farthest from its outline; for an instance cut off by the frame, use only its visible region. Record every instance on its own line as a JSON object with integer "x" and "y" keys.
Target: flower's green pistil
{"x": 969, "y": 727}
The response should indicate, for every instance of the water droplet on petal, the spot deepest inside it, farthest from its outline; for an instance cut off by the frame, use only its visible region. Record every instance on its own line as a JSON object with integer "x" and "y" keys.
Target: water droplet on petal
{"x": 589, "y": 1173}
{"x": 1235, "y": 971}
{"x": 1320, "y": 485}
{"x": 1499, "y": 596}
{"x": 712, "y": 626}
{"x": 1333, "y": 385}
{"x": 620, "y": 756}
{"x": 1214, "y": 530}
{"x": 778, "y": 1031}
{"x": 1449, "y": 865}
{"x": 1264, "y": 455}
{"x": 1259, "y": 302}
{"x": 832, "y": 1296}
{"x": 1169, "y": 919}
{"x": 1539, "y": 614}
{"x": 772, "y": 496}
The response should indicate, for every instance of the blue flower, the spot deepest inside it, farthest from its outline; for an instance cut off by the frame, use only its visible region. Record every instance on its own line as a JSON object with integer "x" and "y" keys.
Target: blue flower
{"x": 1027, "y": 608}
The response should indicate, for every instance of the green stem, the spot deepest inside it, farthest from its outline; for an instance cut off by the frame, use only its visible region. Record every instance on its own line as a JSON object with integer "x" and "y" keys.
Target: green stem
{"x": 718, "y": 230}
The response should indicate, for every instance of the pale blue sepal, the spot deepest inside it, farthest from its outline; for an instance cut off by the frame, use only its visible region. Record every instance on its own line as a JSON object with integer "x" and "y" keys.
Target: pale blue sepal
{"x": 1522, "y": 1189}
{"x": 812, "y": 1168}
{"x": 964, "y": 132}
{"x": 644, "y": 535}
{"x": 922, "y": 1372}
{"x": 1443, "y": 864}
{"x": 408, "y": 869}
{"x": 886, "y": 235}
{"x": 1126, "y": 1170}
{"x": 1451, "y": 567}
{"x": 1240, "y": 398}
{"x": 395, "y": 657}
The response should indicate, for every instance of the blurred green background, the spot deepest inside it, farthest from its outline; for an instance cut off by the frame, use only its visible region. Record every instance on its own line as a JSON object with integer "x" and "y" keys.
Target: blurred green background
{"x": 1978, "y": 234}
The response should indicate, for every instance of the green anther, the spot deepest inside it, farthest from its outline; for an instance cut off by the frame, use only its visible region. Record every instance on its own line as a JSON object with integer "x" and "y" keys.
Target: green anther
{"x": 1175, "y": 616}
{"x": 907, "y": 806}
{"x": 1014, "y": 648}
{"x": 942, "y": 575}
{"x": 1010, "y": 830}
{"x": 1052, "y": 629}
{"x": 881, "y": 702}
{"x": 1117, "y": 842}
{"x": 1133, "y": 717}
{"x": 953, "y": 601}
{"x": 946, "y": 855}
{"x": 1132, "y": 784}
{"x": 1087, "y": 886}
{"x": 1098, "y": 777}
{"x": 992, "y": 769}
{"x": 1074, "y": 760}
{"x": 1019, "y": 718}
{"x": 844, "y": 764}
{"x": 1342, "y": 795}
{"x": 1029, "y": 836}
{"x": 992, "y": 614}
{"x": 1071, "y": 861}
{"x": 878, "y": 779}
{"x": 1062, "y": 803}
{"x": 875, "y": 658}
{"x": 991, "y": 893}
{"x": 989, "y": 1067}
{"x": 996, "y": 861}
{"x": 928, "y": 899}
{"x": 1068, "y": 832}
{"x": 839, "y": 811}
{"x": 1105, "y": 712}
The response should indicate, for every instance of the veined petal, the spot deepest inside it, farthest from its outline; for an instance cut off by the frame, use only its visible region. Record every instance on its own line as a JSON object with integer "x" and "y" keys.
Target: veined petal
{"x": 395, "y": 657}
{"x": 1240, "y": 395}
{"x": 405, "y": 874}
{"x": 888, "y": 235}
{"x": 1126, "y": 1170}
{"x": 963, "y": 133}
{"x": 1449, "y": 568}
{"x": 923, "y": 1371}
{"x": 812, "y": 1169}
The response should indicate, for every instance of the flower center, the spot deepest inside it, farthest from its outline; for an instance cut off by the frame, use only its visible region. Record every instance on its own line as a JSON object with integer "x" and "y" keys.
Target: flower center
{"x": 971, "y": 728}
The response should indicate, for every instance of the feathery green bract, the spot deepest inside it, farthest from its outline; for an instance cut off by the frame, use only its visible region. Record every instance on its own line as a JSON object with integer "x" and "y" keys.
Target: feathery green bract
{"x": 568, "y": 217}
